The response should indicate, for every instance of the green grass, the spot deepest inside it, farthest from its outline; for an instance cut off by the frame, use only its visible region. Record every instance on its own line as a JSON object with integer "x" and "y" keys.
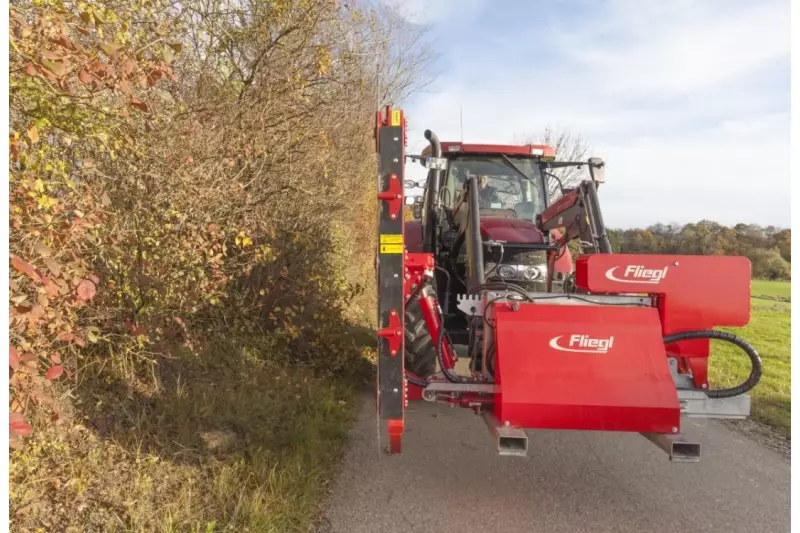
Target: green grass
{"x": 769, "y": 331}
{"x": 234, "y": 439}
{"x": 761, "y": 287}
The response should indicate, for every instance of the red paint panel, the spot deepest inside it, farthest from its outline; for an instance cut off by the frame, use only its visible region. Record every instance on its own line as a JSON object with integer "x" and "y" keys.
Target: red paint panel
{"x": 583, "y": 367}
{"x": 698, "y": 291}
{"x": 510, "y": 230}
{"x": 694, "y": 292}
{"x": 450, "y": 147}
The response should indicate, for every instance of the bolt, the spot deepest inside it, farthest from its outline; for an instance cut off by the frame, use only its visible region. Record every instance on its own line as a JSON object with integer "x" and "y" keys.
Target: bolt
{"x": 675, "y": 263}
{"x": 396, "y": 276}
{"x": 393, "y": 216}
{"x": 506, "y": 423}
{"x": 394, "y": 389}
{"x": 393, "y": 313}
{"x": 397, "y": 196}
{"x": 674, "y": 430}
{"x": 393, "y": 352}
{"x": 396, "y": 139}
{"x": 704, "y": 386}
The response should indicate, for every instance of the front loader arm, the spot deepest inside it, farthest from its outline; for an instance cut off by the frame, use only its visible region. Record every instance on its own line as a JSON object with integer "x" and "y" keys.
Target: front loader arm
{"x": 577, "y": 215}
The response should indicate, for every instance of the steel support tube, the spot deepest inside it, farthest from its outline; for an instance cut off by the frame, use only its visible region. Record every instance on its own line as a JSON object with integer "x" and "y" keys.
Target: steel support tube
{"x": 676, "y": 446}
{"x": 474, "y": 240}
{"x": 508, "y": 440}
{"x": 599, "y": 228}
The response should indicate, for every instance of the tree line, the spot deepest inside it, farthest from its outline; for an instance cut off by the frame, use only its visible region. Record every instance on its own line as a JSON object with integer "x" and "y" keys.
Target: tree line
{"x": 768, "y": 248}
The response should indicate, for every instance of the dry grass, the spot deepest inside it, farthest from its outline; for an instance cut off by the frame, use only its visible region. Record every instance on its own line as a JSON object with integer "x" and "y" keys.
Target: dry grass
{"x": 228, "y": 441}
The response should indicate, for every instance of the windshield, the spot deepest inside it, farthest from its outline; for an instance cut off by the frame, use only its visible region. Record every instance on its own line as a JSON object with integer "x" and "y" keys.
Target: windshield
{"x": 500, "y": 186}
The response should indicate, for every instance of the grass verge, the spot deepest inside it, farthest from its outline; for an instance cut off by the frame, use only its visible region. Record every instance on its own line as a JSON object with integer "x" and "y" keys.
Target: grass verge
{"x": 769, "y": 331}
{"x": 220, "y": 443}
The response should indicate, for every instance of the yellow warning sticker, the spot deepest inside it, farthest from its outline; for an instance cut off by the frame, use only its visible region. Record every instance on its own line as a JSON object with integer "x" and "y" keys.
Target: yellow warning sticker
{"x": 391, "y": 238}
{"x": 395, "y": 117}
{"x": 391, "y": 248}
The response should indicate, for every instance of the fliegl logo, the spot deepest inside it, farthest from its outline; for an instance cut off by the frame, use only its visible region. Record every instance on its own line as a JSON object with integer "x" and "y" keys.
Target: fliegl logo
{"x": 638, "y": 274}
{"x": 581, "y": 343}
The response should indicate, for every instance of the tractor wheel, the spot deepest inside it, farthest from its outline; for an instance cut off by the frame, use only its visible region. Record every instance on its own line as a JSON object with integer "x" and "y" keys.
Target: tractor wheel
{"x": 420, "y": 350}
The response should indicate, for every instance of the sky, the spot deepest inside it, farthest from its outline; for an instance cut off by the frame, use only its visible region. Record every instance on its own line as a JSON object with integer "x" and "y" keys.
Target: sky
{"x": 687, "y": 101}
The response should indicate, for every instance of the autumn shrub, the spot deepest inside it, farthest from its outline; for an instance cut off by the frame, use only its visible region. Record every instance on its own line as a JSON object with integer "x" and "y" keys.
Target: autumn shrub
{"x": 186, "y": 172}
{"x": 77, "y": 81}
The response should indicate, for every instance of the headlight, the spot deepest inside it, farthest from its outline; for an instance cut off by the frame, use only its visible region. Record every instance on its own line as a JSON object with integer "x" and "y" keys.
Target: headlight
{"x": 530, "y": 273}
{"x": 507, "y": 271}
{"x": 517, "y": 272}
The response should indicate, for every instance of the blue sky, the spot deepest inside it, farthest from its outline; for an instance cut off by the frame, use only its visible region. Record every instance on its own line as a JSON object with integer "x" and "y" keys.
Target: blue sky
{"x": 687, "y": 101}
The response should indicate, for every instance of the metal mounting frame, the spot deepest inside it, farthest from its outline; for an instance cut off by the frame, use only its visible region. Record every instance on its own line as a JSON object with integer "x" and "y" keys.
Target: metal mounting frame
{"x": 390, "y": 265}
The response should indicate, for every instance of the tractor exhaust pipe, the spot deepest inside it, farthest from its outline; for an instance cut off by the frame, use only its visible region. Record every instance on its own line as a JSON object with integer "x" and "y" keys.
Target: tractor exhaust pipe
{"x": 677, "y": 447}
{"x": 508, "y": 440}
{"x": 429, "y": 238}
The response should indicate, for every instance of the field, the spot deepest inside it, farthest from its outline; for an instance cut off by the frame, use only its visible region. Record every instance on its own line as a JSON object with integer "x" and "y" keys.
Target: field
{"x": 769, "y": 332}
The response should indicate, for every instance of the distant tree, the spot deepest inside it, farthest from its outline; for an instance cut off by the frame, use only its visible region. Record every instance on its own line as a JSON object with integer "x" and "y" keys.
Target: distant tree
{"x": 769, "y": 249}
{"x": 568, "y": 147}
{"x": 768, "y": 264}
{"x": 783, "y": 241}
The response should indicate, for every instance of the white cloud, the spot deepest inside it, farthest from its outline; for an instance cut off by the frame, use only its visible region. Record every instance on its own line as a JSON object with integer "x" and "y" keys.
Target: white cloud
{"x": 425, "y": 12}
{"x": 674, "y": 95}
{"x": 683, "y": 50}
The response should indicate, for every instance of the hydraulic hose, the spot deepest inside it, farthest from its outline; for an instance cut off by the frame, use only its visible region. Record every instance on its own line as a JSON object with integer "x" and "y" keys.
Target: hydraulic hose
{"x": 755, "y": 360}
{"x": 414, "y": 381}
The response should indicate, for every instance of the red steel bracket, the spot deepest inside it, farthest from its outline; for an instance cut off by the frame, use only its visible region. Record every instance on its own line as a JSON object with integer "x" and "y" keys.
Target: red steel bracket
{"x": 393, "y": 196}
{"x": 415, "y": 267}
{"x": 395, "y": 428}
{"x": 393, "y": 332}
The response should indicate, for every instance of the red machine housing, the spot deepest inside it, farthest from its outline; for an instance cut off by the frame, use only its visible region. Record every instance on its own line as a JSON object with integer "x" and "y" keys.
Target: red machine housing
{"x": 604, "y": 367}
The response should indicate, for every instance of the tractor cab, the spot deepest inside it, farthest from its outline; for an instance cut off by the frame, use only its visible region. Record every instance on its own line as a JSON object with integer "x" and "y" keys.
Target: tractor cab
{"x": 511, "y": 183}
{"x": 511, "y": 193}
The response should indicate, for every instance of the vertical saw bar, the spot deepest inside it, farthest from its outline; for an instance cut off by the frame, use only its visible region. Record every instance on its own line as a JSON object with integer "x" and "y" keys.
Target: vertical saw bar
{"x": 390, "y": 138}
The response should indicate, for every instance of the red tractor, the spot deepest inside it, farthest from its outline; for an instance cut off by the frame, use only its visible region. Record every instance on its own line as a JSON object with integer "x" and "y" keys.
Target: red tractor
{"x": 608, "y": 342}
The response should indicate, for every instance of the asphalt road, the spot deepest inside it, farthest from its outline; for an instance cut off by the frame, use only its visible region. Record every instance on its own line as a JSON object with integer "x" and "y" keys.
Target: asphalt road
{"x": 449, "y": 478}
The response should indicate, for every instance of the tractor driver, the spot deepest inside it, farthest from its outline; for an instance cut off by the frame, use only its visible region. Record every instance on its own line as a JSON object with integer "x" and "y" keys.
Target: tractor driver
{"x": 487, "y": 195}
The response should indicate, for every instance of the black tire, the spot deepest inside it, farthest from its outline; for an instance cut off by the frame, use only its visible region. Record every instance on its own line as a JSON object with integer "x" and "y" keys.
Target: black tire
{"x": 420, "y": 352}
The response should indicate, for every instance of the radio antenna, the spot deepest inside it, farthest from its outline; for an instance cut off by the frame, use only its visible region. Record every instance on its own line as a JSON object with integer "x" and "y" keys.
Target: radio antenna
{"x": 461, "y": 113}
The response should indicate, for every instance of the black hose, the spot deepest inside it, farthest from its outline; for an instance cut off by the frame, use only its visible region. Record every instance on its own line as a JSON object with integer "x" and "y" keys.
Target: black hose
{"x": 755, "y": 360}
{"x": 446, "y": 289}
{"x": 414, "y": 381}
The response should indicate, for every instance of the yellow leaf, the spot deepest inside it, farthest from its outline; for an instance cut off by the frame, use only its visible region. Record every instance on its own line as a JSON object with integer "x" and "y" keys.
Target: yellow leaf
{"x": 110, "y": 49}
{"x": 33, "y": 134}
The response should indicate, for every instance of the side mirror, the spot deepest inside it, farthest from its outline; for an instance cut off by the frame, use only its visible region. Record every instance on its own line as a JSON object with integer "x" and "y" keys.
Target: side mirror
{"x": 410, "y": 184}
{"x": 597, "y": 169}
